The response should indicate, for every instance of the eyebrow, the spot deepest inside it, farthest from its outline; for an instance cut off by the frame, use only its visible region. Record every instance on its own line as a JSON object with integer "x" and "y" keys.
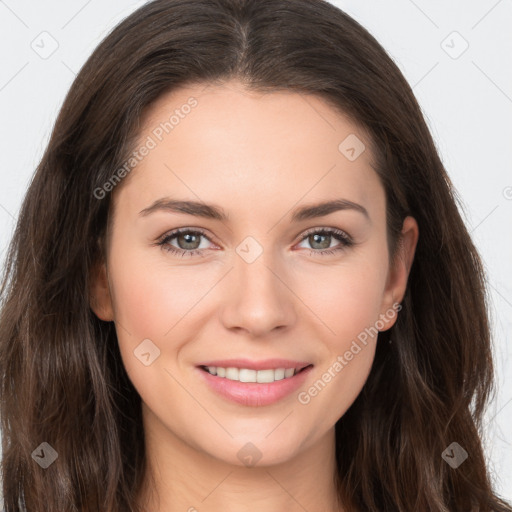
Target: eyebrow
{"x": 210, "y": 211}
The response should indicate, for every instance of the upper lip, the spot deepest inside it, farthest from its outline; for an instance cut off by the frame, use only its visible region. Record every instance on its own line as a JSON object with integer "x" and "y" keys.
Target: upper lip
{"x": 266, "y": 364}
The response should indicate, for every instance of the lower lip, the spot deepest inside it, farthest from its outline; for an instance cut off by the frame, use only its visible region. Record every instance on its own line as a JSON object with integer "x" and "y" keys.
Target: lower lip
{"x": 254, "y": 394}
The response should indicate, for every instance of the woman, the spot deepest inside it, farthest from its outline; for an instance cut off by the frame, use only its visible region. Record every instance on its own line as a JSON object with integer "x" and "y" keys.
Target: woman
{"x": 239, "y": 280}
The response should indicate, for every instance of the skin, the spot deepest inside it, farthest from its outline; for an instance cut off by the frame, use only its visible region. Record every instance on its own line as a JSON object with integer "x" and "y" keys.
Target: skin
{"x": 258, "y": 157}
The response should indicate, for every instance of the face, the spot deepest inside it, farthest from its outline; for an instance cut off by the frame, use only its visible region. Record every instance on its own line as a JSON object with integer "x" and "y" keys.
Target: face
{"x": 255, "y": 275}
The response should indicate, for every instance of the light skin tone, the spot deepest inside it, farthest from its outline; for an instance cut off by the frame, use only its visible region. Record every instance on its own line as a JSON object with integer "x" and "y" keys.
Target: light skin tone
{"x": 258, "y": 157}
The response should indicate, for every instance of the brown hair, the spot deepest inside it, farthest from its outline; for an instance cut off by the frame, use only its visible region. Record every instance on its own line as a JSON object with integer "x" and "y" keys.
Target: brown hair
{"x": 62, "y": 377}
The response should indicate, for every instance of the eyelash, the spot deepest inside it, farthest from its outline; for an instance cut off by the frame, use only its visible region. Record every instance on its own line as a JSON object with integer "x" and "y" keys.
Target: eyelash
{"x": 341, "y": 236}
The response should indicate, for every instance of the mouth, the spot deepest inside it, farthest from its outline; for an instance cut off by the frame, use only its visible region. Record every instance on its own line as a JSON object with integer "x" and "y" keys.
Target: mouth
{"x": 254, "y": 388}
{"x": 265, "y": 376}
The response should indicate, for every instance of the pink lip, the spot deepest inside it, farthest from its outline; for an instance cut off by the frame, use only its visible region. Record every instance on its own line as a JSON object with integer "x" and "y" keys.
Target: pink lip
{"x": 253, "y": 394}
{"x": 266, "y": 364}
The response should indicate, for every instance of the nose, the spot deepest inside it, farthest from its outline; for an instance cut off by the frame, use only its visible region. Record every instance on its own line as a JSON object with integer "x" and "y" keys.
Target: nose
{"x": 258, "y": 299}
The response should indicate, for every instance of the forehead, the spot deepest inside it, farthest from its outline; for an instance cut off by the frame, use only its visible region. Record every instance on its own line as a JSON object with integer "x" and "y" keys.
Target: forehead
{"x": 246, "y": 148}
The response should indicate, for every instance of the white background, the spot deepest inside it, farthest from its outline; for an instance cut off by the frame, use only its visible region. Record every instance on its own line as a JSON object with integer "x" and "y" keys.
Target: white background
{"x": 466, "y": 97}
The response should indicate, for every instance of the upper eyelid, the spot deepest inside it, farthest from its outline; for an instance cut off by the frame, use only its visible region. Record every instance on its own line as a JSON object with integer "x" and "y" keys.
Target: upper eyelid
{"x": 335, "y": 231}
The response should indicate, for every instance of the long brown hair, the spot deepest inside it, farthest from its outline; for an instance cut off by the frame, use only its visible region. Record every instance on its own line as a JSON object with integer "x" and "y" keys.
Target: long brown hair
{"x": 62, "y": 378}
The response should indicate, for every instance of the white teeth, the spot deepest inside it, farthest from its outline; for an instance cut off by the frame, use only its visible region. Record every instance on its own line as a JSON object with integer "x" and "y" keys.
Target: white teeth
{"x": 246, "y": 375}
{"x": 289, "y": 372}
{"x": 232, "y": 373}
{"x": 280, "y": 373}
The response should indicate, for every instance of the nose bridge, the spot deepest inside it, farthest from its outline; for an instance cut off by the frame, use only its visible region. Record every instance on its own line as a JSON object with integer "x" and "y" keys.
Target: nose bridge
{"x": 258, "y": 300}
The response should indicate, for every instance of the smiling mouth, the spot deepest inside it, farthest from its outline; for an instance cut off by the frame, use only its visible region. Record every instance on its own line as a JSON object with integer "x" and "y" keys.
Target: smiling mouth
{"x": 253, "y": 376}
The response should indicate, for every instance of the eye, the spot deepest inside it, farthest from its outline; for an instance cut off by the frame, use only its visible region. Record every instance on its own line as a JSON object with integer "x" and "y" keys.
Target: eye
{"x": 321, "y": 239}
{"x": 188, "y": 241}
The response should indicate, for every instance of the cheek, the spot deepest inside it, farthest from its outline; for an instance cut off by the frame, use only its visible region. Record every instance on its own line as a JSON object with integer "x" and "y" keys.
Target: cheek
{"x": 161, "y": 302}
{"x": 348, "y": 306}
{"x": 346, "y": 298}
{"x": 152, "y": 295}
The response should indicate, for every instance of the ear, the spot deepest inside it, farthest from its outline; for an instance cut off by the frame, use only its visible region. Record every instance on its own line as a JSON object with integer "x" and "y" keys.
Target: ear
{"x": 99, "y": 293}
{"x": 399, "y": 273}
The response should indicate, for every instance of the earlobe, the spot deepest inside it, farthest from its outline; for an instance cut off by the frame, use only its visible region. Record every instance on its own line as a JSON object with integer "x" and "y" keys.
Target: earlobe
{"x": 99, "y": 293}
{"x": 399, "y": 272}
